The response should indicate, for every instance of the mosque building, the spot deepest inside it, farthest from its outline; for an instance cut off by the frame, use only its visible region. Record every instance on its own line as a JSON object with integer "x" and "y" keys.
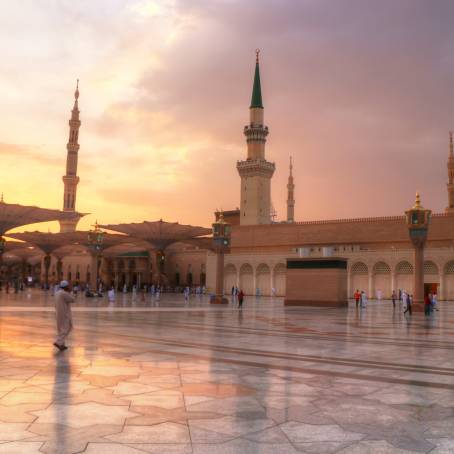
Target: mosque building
{"x": 379, "y": 252}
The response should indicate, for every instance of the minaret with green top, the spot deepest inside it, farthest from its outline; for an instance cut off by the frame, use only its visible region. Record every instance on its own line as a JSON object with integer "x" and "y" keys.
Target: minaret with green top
{"x": 255, "y": 171}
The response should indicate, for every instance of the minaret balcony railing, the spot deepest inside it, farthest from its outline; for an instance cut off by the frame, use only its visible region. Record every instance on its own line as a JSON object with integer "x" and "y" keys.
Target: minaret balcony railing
{"x": 256, "y": 133}
{"x": 255, "y": 167}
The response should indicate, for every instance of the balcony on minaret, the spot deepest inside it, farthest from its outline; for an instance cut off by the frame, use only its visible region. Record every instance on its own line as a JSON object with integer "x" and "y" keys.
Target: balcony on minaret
{"x": 254, "y": 167}
{"x": 256, "y": 133}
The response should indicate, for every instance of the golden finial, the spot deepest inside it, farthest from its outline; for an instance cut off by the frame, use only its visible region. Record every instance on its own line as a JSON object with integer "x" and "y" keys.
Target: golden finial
{"x": 76, "y": 93}
{"x": 451, "y": 146}
{"x": 221, "y": 219}
{"x": 1, "y": 199}
{"x": 257, "y": 53}
{"x": 96, "y": 226}
{"x": 417, "y": 205}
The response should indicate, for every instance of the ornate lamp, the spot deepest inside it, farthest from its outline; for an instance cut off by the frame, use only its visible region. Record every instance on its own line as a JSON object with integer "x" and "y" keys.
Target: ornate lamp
{"x": 221, "y": 234}
{"x": 95, "y": 238}
{"x": 221, "y": 245}
{"x": 418, "y": 220}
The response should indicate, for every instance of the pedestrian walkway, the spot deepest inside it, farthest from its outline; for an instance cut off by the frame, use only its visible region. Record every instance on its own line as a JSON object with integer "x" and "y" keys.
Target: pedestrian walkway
{"x": 179, "y": 378}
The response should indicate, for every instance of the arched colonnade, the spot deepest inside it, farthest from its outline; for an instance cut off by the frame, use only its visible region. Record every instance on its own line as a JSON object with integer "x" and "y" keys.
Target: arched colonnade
{"x": 381, "y": 277}
{"x": 261, "y": 279}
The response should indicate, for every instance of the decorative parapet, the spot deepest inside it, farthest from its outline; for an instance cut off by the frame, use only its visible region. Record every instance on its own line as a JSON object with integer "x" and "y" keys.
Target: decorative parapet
{"x": 255, "y": 167}
{"x": 256, "y": 133}
{"x": 369, "y": 219}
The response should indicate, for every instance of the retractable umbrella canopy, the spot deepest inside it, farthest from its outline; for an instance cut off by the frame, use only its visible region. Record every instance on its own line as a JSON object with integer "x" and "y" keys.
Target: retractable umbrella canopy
{"x": 13, "y": 215}
{"x": 159, "y": 234}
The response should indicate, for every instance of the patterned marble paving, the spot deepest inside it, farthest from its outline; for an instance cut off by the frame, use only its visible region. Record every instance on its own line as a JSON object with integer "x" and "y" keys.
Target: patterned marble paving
{"x": 165, "y": 377}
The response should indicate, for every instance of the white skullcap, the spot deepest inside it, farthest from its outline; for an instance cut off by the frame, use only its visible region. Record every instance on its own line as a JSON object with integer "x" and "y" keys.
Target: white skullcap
{"x": 64, "y": 284}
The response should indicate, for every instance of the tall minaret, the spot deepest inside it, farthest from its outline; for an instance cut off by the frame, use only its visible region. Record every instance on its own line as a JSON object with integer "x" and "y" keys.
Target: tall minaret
{"x": 70, "y": 180}
{"x": 256, "y": 171}
{"x": 290, "y": 199}
{"x": 450, "y": 207}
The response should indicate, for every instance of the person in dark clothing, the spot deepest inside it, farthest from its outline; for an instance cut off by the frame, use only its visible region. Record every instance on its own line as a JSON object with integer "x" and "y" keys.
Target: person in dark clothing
{"x": 427, "y": 305}
{"x": 240, "y": 299}
{"x": 409, "y": 303}
{"x": 393, "y": 297}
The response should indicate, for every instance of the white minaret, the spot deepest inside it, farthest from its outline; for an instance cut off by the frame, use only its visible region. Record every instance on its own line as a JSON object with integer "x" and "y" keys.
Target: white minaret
{"x": 70, "y": 180}
{"x": 290, "y": 197}
{"x": 256, "y": 171}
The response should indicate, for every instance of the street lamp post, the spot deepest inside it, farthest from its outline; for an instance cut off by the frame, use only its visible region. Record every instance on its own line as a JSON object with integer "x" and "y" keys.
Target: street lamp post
{"x": 95, "y": 242}
{"x": 221, "y": 245}
{"x": 160, "y": 264}
{"x": 418, "y": 220}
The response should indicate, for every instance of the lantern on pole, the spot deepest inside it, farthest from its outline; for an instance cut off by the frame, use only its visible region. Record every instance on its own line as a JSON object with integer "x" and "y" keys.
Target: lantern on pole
{"x": 418, "y": 220}
{"x": 95, "y": 242}
{"x": 221, "y": 246}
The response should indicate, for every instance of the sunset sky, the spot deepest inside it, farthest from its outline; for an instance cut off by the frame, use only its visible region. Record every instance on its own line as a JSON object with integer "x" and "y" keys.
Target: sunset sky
{"x": 359, "y": 92}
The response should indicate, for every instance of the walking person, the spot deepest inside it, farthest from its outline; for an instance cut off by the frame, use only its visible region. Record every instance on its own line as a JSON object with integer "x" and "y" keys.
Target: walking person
{"x": 240, "y": 299}
{"x": 63, "y": 314}
{"x": 434, "y": 302}
{"x": 363, "y": 300}
{"x": 393, "y": 297}
{"x": 357, "y": 297}
{"x": 427, "y": 304}
{"x": 409, "y": 300}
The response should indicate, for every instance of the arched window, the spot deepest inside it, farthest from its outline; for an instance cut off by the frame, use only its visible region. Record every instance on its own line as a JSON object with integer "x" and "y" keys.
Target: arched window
{"x": 449, "y": 268}
{"x": 404, "y": 268}
{"x": 430, "y": 268}
{"x": 382, "y": 268}
{"x": 359, "y": 268}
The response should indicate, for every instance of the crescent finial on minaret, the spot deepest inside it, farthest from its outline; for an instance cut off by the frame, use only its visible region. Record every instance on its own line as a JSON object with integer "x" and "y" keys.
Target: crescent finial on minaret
{"x": 76, "y": 93}
{"x": 257, "y": 54}
{"x": 451, "y": 146}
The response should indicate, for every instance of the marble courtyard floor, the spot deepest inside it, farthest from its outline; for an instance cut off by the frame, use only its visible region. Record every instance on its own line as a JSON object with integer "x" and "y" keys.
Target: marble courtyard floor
{"x": 142, "y": 376}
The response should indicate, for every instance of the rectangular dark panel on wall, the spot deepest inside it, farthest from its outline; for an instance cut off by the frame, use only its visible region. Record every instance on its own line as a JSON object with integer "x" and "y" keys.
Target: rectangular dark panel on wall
{"x": 308, "y": 264}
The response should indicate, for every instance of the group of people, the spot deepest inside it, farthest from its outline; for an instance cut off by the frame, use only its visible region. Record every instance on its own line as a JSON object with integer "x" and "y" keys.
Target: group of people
{"x": 65, "y": 296}
{"x": 360, "y": 298}
{"x": 430, "y": 301}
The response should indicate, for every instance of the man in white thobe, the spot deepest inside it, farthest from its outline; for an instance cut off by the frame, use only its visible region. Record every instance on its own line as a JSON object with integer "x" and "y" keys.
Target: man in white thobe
{"x": 63, "y": 300}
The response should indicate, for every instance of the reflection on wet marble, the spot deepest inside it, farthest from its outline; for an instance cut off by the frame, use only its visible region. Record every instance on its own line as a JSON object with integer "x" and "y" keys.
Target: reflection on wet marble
{"x": 155, "y": 377}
